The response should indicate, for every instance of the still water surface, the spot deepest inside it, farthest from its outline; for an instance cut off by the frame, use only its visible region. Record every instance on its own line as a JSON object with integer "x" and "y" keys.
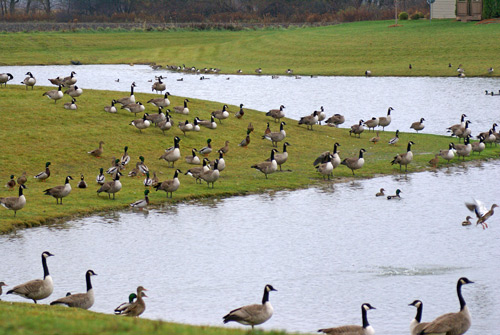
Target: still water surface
{"x": 326, "y": 250}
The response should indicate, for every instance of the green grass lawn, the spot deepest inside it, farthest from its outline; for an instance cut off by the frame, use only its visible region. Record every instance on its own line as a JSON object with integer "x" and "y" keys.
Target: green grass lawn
{"x": 345, "y": 49}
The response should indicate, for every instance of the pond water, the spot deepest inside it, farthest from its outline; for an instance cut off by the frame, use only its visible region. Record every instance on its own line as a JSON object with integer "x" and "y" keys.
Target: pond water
{"x": 440, "y": 101}
{"x": 326, "y": 250}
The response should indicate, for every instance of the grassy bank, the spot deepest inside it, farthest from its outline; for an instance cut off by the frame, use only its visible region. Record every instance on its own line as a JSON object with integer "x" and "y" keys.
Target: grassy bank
{"x": 37, "y": 131}
{"x": 24, "y": 318}
{"x": 346, "y": 49}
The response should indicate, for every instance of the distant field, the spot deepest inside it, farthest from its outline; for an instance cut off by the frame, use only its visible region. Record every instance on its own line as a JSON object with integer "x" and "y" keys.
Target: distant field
{"x": 346, "y": 49}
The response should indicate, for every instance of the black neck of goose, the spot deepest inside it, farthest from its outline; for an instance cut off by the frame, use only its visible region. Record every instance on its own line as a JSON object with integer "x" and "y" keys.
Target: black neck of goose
{"x": 132, "y": 90}
{"x": 176, "y": 144}
{"x": 272, "y": 155}
{"x": 281, "y": 126}
{"x": 360, "y": 153}
{"x": 265, "y": 298}
{"x": 185, "y": 104}
{"x": 335, "y": 148}
{"x": 45, "y": 267}
{"x": 67, "y": 180}
{"x": 176, "y": 174}
{"x": 418, "y": 317}
{"x": 89, "y": 283}
{"x": 20, "y": 190}
{"x": 409, "y": 147}
{"x": 221, "y": 155}
{"x": 388, "y": 112}
{"x": 284, "y": 148}
{"x": 460, "y": 297}
{"x": 365, "y": 317}
{"x": 216, "y": 164}
{"x": 224, "y": 108}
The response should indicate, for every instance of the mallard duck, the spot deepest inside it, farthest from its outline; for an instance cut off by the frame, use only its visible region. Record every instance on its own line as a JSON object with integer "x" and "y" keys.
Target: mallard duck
{"x": 15, "y": 203}
{"x": 139, "y": 306}
{"x": 115, "y": 168}
{"x": 206, "y": 150}
{"x": 193, "y": 159}
{"x": 172, "y": 154}
{"x": 59, "y": 192}
{"x": 71, "y": 105}
{"x": 97, "y": 152}
{"x": 29, "y": 81}
{"x": 309, "y": 120}
{"x": 404, "y": 158}
{"x": 365, "y": 329}
{"x": 141, "y": 123}
{"x": 467, "y": 221}
{"x": 11, "y": 183}
{"x": 185, "y": 126}
{"x": 435, "y": 161}
{"x": 36, "y": 289}
{"x": 131, "y": 297}
{"x": 154, "y": 179}
{"x": 395, "y": 139}
{"x": 135, "y": 171}
{"x": 147, "y": 181}
{"x": 482, "y": 213}
{"x": 384, "y": 121}
{"x": 225, "y": 148}
{"x": 395, "y": 196}
{"x": 160, "y": 102}
{"x": 276, "y": 137}
{"x": 246, "y": 141}
{"x": 42, "y": 176}
{"x": 375, "y": 139}
{"x": 170, "y": 185}
{"x": 4, "y": 78}
{"x": 159, "y": 86}
{"x": 197, "y": 171}
{"x": 250, "y": 127}
{"x": 335, "y": 120}
{"x": 74, "y": 91}
{"x": 221, "y": 114}
{"x": 1, "y": 285}
{"x": 239, "y": 114}
{"x": 355, "y": 163}
{"x": 253, "y": 315}
{"x": 357, "y": 129}
{"x": 22, "y": 180}
{"x": 111, "y": 187}
{"x": 380, "y": 193}
{"x": 267, "y": 167}
{"x": 79, "y": 300}
{"x": 54, "y": 94}
{"x": 130, "y": 99}
{"x": 135, "y": 108}
{"x": 112, "y": 108}
{"x": 277, "y": 114}
{"x": 143, "y": 203}
{"x": 100, "y": 179}
{"x": 182, "y": 109}
{"x": 372, "y": 123}
{"x": 419, "y": 125}
{"x": 143, "y": 168}
{"x": 125, "y": 159}
{"x": 82, "y": 183}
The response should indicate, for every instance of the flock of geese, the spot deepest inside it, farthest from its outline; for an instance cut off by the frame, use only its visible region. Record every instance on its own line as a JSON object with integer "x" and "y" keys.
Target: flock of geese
{"x": 252, "y": 315}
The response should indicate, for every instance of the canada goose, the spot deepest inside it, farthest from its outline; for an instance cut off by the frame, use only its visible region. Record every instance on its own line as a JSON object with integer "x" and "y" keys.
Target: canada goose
{"x": 74, "y": 91}
{"x": 482, "y": 213}
{"x": 258, "y": 70}
{"x": 97, "y": 152}
{"x": 449, "y": 154}
{"x": 159, "y": 86}
{"x": 79, "y": 300}
{"x": 36, "y": 289}
{"x": 193, "y": 159}
{"x": 15, "y": 203}
{"x": 324, "y": 156}
{"x": 452, "y": 323}
{"x": 206, "y": 150}
{"x": 138, "y": 307}
{"x": 112, "y": 108}
{"x": 366, "y": 329}
{"x": 71, "y": 105}
{"x": 467, "y": 221}
{"x": 197, "y": 171}
{"x": 416, "y": 325}
{"x": 404, "y": 158}
{"x": 59, "y": 192}
{"x": 309, "y": 120}
{"x": 325, "y": 168}
{"x": 2, "y": 284}
{"x": 280, "y": 158}
{"x": 131, "y": 298}
{"x": 372, "y": 123}
{"x": 172, "y": 154}
{"x": 147, "y": 181}
{"x": 357, "y": 129}
{"x": 321, "y": 114}
{"x": 410, "y": 67}
{"x": 185, "y": 126}
{"x": 125, "y": 159}
{"x": 135, "y": 108}
{"x": 11, "y": 183}
{"x": 69, "y": 80}
{"x": 44, "y": 174}
{"x": 355, "y": 163}
{"x": 165, "y": 124}
{"x": 395, "y": 196}
{"x": 239, "y": 114}
{"x": 464, "y": 150}
{"x": 211, "y": 176}
{"x": 267, "y": 167}
{"x": 82, "y": 183}
{"x": 222, "y": 114}
{"x": 289, "y": 71}
{"x": 170, "y": 185}
{"x": 435, "y": 161}
{"x": 4, "y": 78}
{"x": 277, "y": 114}
{"x": 490, "y": 70}
{"x": 22, "y": 179}
{"x": 111, "y": 187}
{"x": 252, "y": 315}
{"x": 56, "y": 81}
{"x": 368, "y": 73}
{"x": 156, "y": 117}
{"x": 221, "y": 165}
{"x": 462, "y": 132}
{"x": 143, "y": 168}
{"x": 384, "y": 121}
{"x": 142, "y": 123}
{"x": 419, "y": 125}
{"x": 478, "y": 146}
{"x": 225, "y": 148}
{"x": 380, "y": 193}
{"x": 130, "y": 99}
{"x": 29, "y": 81}
{"x": 54, "y": 94}
{"x": 246, "y": 141}
{"x": 182, "y": 109}
{"x": 206, "y": 123}
{"x": 375, "y": 139}
{"x": 276, "y": 137}
{"x": 457, "y": 127}
{"x": 460, "y": 69}
{"x": 489, "y": 136}
{"x": 143, "y": 203}
{"x": 335, "y": 120}
{"x": 160, "y": 102}
{"x": 100, "y": 177}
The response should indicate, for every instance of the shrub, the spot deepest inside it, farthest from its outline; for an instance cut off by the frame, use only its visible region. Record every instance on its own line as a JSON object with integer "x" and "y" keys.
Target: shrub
{"x": 414, "y": 16}
{"x": 403, "y": 16}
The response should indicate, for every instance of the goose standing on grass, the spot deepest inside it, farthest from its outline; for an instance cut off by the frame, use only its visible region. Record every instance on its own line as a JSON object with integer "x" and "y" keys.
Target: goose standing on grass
{"x": 355, "y": 163}
{"x": 193, "y": 159}
{"x": 452, "y": 323}
{"x": 309, "y": 120}
{"x": 15, "y": 203}
{"x": 135, "y": 108}
{"x": 138, "y": 307}
{"x": 69, "y": 80}
{"x": 170, "y": 185}
{"x": 59, "y": 192}
{"x": 404, "y": 158}
{"x": 82, "y": 183}
{"x": 365, "y": 329}
{"x": 449, "y": 154}
{"x": 197, "y": 171}
{"x": 464, "y": 150}
{"x": 253, "y": 315}
{"x": 4, "y": 78}
{"x": 206, "y": 123}
{"x": 372, "y": 123}
{"x": 182, "y": 109}
{"x": 239, "y": 114}
{"x": 277, "y": 114}
{"x": 122, "y": 307}
{"x": 419, "y": 125}
{"x": 165, "y": 124}
{"x": 268, "y": 166}
{"x": 112, "y": 108}
{"x": 325, "y": 169}
{"x": 221, "y": 114}
{"x": 36, "y": 289}
{"x": 280, "y": 158}
{"x": 321, "y": 115}
{"x": 395, "y": 196}
{"x": 335, "y": 120}
{"x": 246, "y": 141}
{"x": 42, "y": 176}
{"x": 357, "y": 129}
{"x": 172, "y": 154}
{"x": 157, "y": 117}
{"x": 416, "y": 325}
{"x": 452, "y": 129}
{"x": 100, "y": 179}
{"x": 159, "y": 86}
{"x": 29, "y": 81}
{"x": 54, "y": 94}
{"x": 22, "y": 179}
{"x": 478, "y": 146}
{"x": 143, "y": 203}
{"x": 276, "y": 137}
{"x": 324, "y": 155}
{"x": 130, "y": 99}
{"x": 380, "y": 193}
{"x": 74, "y": 91}
{"x": 141, "y": 123}
{"x": 482, "y": 213}
{"x": 384, "y": 121}
{"x": 463, "y": 132}
{"x": 79, "y": 300}
{"x": 160, "y": 102}
{"x": 71, "y": 105}
{"x": 97, "y": 152}
{"x": 11, "y": 183}
{"x": 395, "y": 139}
{"x": 211, "y": 176}
{"x": 221, "y": 165}
{"x": 111, "y": 187}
